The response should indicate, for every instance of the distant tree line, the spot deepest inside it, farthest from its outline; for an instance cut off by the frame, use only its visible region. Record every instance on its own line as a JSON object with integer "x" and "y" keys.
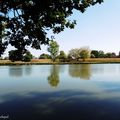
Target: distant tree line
{"x": 15, "y": 56}
{"x": 101, "y": 54}
{"x": 74, "y": 54}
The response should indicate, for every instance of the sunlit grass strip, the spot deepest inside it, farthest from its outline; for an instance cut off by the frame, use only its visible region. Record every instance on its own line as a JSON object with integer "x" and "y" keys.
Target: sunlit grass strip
{"x": 48, "y": 61}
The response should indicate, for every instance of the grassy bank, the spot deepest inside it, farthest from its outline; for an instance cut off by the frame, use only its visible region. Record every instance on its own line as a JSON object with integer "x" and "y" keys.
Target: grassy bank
{"x": 48, "y": 61}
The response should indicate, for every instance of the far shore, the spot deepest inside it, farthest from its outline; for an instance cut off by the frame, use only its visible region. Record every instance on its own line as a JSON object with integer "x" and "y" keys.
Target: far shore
{"x": 50, "y": 62}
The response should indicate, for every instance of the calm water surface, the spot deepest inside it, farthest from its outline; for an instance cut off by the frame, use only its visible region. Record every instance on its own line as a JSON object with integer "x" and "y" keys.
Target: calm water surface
{"x": 60, "y": 92}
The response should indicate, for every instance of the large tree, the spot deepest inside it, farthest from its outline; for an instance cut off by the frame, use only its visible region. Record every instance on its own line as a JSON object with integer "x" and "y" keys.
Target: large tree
{"x": 26, "y": 22}
{"x": 15, "y": 55}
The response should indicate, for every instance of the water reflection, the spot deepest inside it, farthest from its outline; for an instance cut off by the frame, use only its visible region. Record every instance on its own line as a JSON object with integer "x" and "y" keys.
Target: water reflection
{"x": 15, "y": 71}
{"x": 19, "y": 71}
{"x": 53, "y": 78}
{"x": 99, "y": 68}
{"x": 32, "y": 99}
{"x": 56, "y": 105}
{"x": 28, "y": 69}
{"x": 83, "y": 71}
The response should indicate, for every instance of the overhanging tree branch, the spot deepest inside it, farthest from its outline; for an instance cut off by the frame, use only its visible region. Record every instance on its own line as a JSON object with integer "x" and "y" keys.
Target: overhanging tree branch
{"x": 31, "y": 18}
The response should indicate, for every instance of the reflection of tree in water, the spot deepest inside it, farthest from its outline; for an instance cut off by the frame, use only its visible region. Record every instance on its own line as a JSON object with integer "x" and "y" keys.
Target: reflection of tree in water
{"x": 28, "y": 69}
{"x": 82, "y": 71}
{"x": 16, "y": 71}
{"x": 53, "y": 79}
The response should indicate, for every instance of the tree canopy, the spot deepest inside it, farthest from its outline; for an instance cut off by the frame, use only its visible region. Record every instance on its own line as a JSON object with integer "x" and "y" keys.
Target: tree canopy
{"x": 84, "y": 52}
{"x": 62, "y": 56}
{"x": 53, "y": 49}
{"x": 26, "y": 22}
{"x": 15, "y": 55}
{"x": 77, "y": 53}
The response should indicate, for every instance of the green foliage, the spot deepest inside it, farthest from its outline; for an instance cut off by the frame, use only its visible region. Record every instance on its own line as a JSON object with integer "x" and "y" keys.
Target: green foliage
{"x": 53, "y": 78}
{"x": 74, "y": 54}
{"x": 94, "y": 53}
{"x": 27, "y": 57}
{"x": 53, "y": 48}
{"x": 101, "y": 54}
{"x": 3, "y": 43}
{"x": 15, "y": 55}
{"x": 110, "y": 55}
{"x": 45, "y": 56}
{"x": 84, "y": 53}
{"x": 62, "y": 56}
{"x": 81, "y": 71}
{"x": 97, "y": 54}
{"x": 26, "y": 21}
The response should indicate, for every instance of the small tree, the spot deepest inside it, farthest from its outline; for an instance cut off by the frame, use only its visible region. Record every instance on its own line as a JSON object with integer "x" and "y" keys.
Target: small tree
{"x": 27, "y": 57}
{"x": 94, "y": 54}
{"x": 74, "y": 54}
{"x": 53, "y": 49}
{"x": 84, "y": 53}
{"x": 110, "y": 55}
{"x": 44, "y": 56}
{"x": 62, "y": 56}
{"x": 101, "y": 54}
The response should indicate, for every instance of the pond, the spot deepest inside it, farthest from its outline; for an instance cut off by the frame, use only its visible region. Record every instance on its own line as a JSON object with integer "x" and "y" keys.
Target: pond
{"x": 60, "y": 92}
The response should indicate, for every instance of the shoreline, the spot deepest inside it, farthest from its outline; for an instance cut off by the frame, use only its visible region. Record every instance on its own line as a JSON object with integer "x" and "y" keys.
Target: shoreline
{"x": 49, "y": 62}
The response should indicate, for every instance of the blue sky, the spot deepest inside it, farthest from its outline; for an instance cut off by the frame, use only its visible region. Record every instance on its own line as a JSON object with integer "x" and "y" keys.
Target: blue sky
{"x": 98, "y": 28}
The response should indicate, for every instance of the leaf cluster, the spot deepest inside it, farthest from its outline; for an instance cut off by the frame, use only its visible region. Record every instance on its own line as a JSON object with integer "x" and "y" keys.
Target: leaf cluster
{"x": 26, "y": 22}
